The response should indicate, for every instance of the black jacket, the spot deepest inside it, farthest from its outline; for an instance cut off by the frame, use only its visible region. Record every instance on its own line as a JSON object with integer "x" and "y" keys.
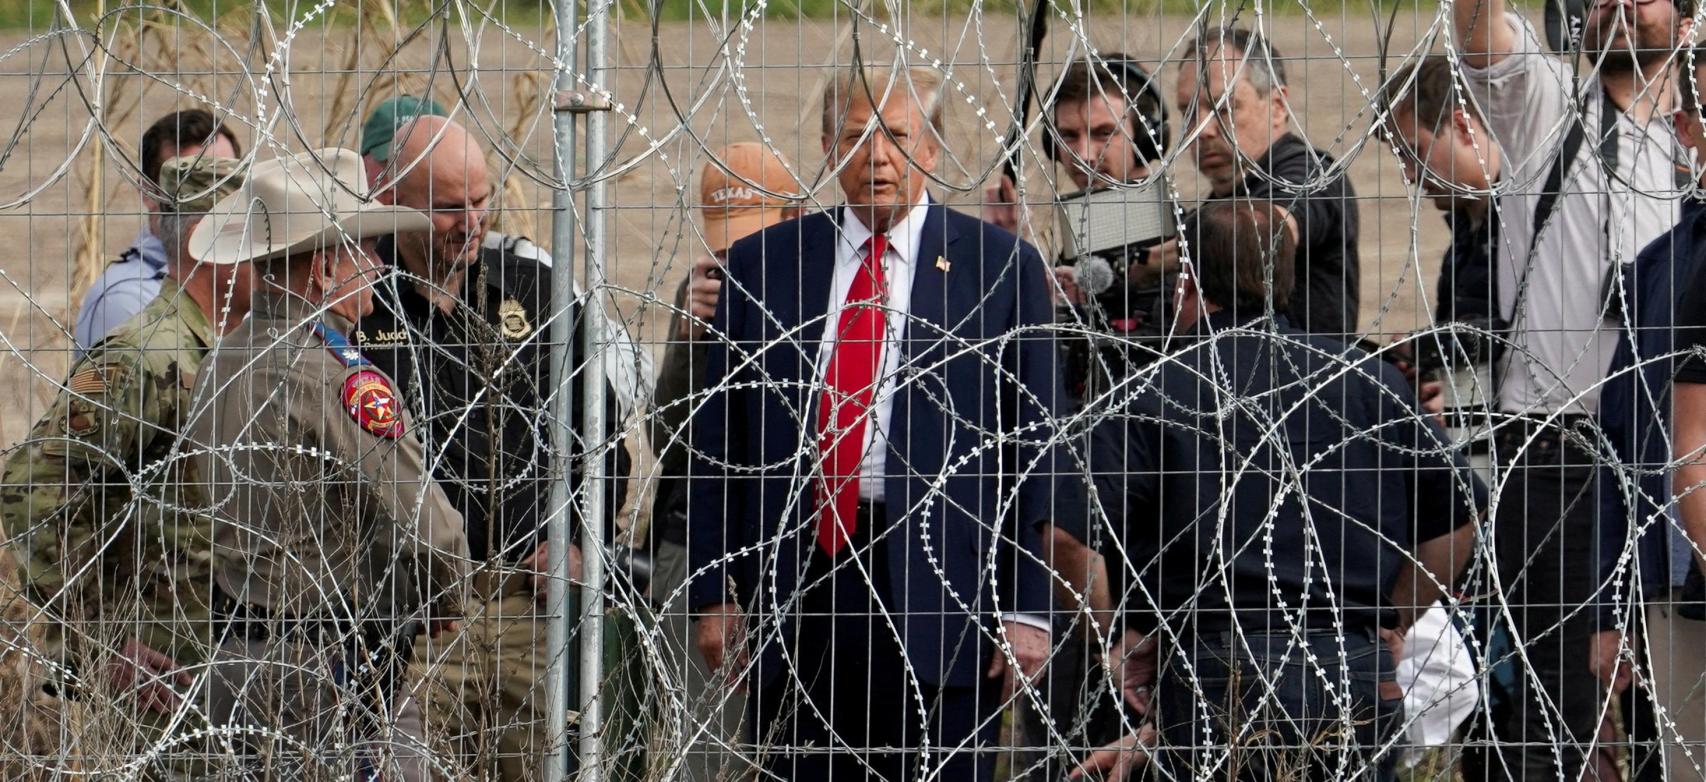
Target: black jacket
{"x": 479, "y": 378}
{"x": 1296, "y": 177}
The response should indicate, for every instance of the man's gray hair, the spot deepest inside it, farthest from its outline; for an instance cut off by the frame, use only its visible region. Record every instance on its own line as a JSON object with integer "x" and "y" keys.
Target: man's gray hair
{"x": 873, "y": 84}
{"x": 1259, "y": 61}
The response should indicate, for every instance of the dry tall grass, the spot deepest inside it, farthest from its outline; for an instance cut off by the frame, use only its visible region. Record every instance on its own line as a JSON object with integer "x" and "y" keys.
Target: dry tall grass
{"x": 38, "y": 732}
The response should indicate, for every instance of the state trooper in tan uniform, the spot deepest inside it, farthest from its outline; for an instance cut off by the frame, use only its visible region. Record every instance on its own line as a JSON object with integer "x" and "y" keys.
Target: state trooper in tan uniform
{"x": 333, "y": 546}
{"x": 99, "y": 506}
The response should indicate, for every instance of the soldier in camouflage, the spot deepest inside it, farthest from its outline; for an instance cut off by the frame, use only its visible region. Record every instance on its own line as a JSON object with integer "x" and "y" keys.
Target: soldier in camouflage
{"x": 97, "y": 503}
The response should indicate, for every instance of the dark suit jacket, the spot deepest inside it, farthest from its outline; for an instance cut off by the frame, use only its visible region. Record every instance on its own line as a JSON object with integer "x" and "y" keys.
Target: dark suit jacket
{"x": 970, "y": 472}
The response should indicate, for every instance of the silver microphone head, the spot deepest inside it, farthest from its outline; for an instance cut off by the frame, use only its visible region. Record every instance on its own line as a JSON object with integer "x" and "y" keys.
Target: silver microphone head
{"x": 1094, "y": 275}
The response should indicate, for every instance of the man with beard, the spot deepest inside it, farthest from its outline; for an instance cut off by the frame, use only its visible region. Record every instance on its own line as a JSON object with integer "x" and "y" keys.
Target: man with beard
{"x": 1639, "y": 527}
{"x": 1592, "y": 166}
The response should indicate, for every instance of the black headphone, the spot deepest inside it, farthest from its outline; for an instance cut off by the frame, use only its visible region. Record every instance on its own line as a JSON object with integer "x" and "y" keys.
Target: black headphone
{"x": 1138, "y": 83}
{"x": 1564, "y": 20}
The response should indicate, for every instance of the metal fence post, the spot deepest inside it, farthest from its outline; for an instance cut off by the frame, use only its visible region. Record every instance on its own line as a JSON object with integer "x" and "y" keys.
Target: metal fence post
{"x": 593, "y": 411}
{"x": 558, "y": 672}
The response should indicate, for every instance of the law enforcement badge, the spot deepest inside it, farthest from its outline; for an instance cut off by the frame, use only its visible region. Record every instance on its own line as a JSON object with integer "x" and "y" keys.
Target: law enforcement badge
{"x": 372, "y": 402}
{"x": 512, "y": 320}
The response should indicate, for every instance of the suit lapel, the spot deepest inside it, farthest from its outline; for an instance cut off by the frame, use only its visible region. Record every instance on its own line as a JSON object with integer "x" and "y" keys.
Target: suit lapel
{"x": 808, "y": 283}
{"x": 941, "y": 297}
{"x": 928, "y": 307}
{"x": 937, "y": 302}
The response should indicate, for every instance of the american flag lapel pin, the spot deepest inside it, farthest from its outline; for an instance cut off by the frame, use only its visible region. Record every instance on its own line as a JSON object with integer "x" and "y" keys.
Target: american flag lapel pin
{"x": 942, "y": 263}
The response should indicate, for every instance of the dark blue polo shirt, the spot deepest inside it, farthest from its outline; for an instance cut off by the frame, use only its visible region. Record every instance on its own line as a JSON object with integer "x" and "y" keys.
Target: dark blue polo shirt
{"x": 1634, "y": 408}
{"x": 1267, "y": 478}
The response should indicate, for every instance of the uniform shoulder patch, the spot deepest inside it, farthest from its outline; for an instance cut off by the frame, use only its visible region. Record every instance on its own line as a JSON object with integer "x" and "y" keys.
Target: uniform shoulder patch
{"x": 372, "y": 402}
{"x": 89, "y": 392}
{"x": 96, "y": 380}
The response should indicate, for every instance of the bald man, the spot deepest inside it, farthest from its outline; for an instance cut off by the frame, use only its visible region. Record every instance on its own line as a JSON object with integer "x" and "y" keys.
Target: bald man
{"x": 458, "y": 326}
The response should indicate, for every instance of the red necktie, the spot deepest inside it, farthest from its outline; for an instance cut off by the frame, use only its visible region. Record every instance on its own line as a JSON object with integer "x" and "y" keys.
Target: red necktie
{"x": 849, "y": 386}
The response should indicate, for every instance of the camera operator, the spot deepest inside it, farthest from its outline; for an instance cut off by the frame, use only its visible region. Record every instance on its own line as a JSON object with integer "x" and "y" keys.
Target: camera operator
{"x": 1446, "y": 151}
{"x": 1108, "y": 127}
{"x": 1444, "y": 147}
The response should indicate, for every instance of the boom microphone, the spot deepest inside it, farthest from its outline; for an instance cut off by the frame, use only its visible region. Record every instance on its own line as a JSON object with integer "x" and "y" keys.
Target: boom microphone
{"x": 1094, "y": 275}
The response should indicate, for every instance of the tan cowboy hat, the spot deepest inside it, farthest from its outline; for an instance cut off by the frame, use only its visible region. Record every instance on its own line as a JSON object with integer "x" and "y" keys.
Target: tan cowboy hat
{"x": 295, "y": 204}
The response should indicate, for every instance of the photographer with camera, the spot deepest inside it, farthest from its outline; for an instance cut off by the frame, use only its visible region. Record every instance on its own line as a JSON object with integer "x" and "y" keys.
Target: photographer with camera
{"x": 1447, "y": 151}
{"x": 1592, "y": 162}
{"x": 1444, "y": 146}
{"x": 1108, "y": 131}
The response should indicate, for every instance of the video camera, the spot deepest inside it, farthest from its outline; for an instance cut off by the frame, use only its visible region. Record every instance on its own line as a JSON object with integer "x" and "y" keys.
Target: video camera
{"x": 1102, "y": 233}
{"x": 1101, "y": 221}
{"x": 1460, "y": 355}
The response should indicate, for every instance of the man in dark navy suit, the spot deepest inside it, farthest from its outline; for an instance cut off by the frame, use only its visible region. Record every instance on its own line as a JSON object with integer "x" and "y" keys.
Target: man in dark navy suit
{"x": 871, "y": 463}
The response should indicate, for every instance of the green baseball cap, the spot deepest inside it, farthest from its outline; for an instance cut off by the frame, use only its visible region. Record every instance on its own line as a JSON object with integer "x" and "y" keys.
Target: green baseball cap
{"x": 194, "y": 183}
{"x": 381, "y": 125}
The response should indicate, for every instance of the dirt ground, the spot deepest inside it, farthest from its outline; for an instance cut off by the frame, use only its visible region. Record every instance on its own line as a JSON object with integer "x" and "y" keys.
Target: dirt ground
{"x": 679, "y": 91}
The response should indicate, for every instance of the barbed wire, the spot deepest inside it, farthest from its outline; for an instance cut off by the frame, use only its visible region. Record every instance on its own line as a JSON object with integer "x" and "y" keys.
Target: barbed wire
{"x": 136, "y": 543}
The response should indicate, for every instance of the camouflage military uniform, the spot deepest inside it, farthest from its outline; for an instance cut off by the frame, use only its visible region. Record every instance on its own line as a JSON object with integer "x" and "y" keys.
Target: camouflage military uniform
{"x": 99, "y": 503}
{"x": 91, "y": 544}
{"x": 330, "y": 538}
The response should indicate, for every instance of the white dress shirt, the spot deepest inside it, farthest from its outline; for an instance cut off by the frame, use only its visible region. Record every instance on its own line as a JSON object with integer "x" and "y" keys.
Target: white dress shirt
{"x": 1562, "y": 342}
{"x": 898, "y": 265}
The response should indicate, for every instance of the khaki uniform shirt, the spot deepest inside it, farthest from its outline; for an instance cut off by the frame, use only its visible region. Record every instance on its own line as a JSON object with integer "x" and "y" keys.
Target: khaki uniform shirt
{"x": 100, "y": 505}
{"x": 324, "y": 508}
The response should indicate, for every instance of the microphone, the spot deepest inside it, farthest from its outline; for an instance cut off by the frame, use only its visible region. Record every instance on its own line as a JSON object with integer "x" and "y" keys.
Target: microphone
{"x": 1094, "y": 275}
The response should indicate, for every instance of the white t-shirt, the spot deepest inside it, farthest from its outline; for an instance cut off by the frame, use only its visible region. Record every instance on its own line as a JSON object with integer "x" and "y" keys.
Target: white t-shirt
{"x": 1552, "y": 295}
